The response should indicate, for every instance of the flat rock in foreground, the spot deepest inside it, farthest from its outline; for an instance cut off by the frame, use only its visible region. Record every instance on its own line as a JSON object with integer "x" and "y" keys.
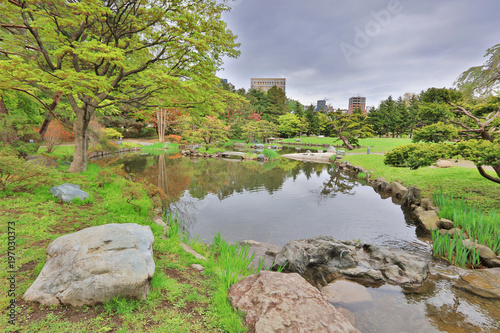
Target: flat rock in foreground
{"x": 96, "y": 264}
{"x": 481, "y": 282}
{"x": 279, "y": 302}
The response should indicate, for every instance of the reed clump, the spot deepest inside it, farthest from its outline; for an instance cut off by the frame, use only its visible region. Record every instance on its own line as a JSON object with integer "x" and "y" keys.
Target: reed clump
{"x": 481, "y": 228}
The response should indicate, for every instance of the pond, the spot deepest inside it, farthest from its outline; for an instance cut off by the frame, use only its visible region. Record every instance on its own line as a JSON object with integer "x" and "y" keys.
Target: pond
{"x": 284, "y": 200}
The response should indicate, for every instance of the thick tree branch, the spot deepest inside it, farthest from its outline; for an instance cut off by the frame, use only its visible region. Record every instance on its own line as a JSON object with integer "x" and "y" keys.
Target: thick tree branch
{"x": 34, "y": 33}
{"x": 486, "y": 175}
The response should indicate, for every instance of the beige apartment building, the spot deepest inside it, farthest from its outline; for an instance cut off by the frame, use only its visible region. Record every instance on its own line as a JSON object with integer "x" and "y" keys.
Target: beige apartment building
{"x": 357, "y": 102}
{"x": 265, "y": 84}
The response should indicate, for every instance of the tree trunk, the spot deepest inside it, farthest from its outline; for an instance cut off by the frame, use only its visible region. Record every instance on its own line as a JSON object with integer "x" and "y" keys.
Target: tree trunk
{"x": 80, "y": 156}
{"x": 346, "y": 142}
{"x": 162, "y": 173}
{"x": 3, "y": 108}
{"x": 48, "y": 115}
{"x": 161, "y": 118}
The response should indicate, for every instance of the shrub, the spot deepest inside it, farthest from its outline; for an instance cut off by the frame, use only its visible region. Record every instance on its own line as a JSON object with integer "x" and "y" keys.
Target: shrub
{"x": 418, "y": 155}
{"x": 111, "y": 133}
{"x": 147, "y": 132}
{"x": 174, "y": 138}
{"x": 57, "y": 129}
{"x": 51, "y": 143}
{"x": 24, "y": 149}
{"x": 16, "y": 175}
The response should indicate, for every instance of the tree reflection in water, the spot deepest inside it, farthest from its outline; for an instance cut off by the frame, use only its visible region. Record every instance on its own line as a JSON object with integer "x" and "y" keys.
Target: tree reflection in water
{"x": 223, "y": 178}
{"x": 338, "y": 183}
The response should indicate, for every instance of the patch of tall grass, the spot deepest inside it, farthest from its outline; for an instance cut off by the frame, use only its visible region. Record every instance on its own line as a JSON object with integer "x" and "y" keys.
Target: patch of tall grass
{"x": 451, "y": 248}
{"x": 232, "y": 260}
{"x": 481, "y": 228}
{"x": 271, "y": 154}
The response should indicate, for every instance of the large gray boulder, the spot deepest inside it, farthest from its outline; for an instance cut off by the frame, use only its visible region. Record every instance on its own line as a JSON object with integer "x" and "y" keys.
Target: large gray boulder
{"x": 323, "y": 259}
{"x": 96, "y": 264}
{"x": 67, "y": 192}
{"x": 278, "y": 302}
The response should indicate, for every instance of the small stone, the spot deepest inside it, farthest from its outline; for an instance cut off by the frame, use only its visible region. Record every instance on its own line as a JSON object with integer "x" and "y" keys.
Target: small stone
{"x": 425, "y": 203}
{"x": 198, "y": 267}
{"x": 193, "y": 252}
{"x": 67, "y": 192}
{"x": 399, "y": 190}
{"x": 488, "y": 257}
{"x": 428, "y": 218}
{"x": 158, "y": 220}
{"x": 445, "y": 224}
{"x": 444, "y": 164}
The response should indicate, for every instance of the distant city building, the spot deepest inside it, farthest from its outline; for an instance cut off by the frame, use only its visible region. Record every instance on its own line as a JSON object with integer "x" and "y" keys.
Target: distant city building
{"x": 264, "y": 84}
{"x": 357, "y": 102}
{"x": 321, "y": 105}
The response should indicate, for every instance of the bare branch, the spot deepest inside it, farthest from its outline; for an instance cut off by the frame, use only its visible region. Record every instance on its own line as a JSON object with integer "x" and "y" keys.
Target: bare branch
{"x": 13, "y": 26}
{"x": 14, "y": 53}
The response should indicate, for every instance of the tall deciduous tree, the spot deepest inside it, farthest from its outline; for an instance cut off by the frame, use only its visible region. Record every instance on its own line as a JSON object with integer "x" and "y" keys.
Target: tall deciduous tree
{"x": 289, "y": 124}
{"x": 103, "y": 52}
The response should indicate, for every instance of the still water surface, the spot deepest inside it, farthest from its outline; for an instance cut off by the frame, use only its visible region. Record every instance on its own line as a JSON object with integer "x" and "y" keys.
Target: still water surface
{"x": 285, "y": 200}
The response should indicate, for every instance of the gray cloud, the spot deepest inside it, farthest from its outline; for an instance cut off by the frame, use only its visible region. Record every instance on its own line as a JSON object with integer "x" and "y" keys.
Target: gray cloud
{"x": 420, "y": 45}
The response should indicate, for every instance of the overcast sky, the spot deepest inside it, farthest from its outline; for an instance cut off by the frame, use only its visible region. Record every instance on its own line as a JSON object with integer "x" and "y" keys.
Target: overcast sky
{"x": 339, "y": 48}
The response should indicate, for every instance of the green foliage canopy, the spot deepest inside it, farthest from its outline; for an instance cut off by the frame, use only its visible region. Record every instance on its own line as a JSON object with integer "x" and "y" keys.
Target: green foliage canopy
{"x": 100, "y": 54}
{"x": 438, "y": 132}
